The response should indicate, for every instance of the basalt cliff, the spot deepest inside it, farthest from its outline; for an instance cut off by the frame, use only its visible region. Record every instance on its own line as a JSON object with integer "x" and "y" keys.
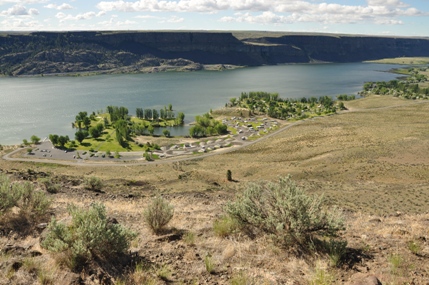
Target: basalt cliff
{"x": 103, "y": 52}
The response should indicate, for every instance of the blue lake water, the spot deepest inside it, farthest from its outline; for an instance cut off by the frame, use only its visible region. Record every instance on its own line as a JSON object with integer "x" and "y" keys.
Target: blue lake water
{"x": 47, "y": 105}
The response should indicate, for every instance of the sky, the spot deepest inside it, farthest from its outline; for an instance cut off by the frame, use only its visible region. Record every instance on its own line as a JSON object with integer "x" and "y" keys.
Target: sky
{"x": 369, "y": 17}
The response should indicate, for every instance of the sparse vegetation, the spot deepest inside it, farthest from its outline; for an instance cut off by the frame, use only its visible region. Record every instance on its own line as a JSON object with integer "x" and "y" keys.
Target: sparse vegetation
{"x": 414, "y": 247}
{"x": 321, "y": 275}
{"x": 225, "y": 226}
{"x": 378, "y": 167}
{"x": 209, "y": 264}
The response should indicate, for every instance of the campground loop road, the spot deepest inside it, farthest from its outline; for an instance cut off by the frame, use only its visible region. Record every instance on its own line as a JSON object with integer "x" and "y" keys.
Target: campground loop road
{"x": 81, "y": 162}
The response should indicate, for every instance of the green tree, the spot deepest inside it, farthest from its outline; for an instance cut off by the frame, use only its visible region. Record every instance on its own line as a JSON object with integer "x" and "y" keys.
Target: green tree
{"x": 62, "y": 140}
{"x": 96, "y": 131}
{"x": 80, "y": 135}
{"x": 122, "y": 131}
{"x": 35, "y": 139}
{"x": 151, "y": 130}
{"x": 54, "y": 139}
{"x": 180, "y": 118}
{"x": 166, "y": 133}
{"x": 155, "y": 115}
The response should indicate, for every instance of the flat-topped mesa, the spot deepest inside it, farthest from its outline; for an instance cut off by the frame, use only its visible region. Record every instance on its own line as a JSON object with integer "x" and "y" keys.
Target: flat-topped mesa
{"x": 64, "y": 52}
{"x": 332, "y": 48}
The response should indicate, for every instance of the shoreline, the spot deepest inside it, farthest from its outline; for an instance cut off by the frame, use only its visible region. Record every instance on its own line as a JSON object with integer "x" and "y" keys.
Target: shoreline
{"x": 146, "y": 70}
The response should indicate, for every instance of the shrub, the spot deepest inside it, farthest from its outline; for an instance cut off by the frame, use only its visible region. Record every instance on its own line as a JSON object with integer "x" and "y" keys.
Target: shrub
{"x": 89, "y": 235}
{"x": 224, "y": 226}
{"x": 284, "y": 211}
{"x": 414, "y": 247}
{"x": 189, "y": 238}
{"x": 9, "y": 194}
{"x": 49, "y": 186}
{"x": 93, "y": 183}
{"x": 33, "y": 203}
{"x": 158, "y": 214}
{"x": 322, "y": 276}
{"x": 23, "y": 195}
{"x": 208, "y": 262}
{"x": 336, "y": 251}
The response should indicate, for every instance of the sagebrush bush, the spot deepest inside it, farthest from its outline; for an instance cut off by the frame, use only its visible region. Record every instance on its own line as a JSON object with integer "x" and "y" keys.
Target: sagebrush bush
{"x": 89, "y": 235}
{"x": 49, "y": 185}
{"x": 93, "y": 183}
{"x": 158, "y": 213}
{"x": 284, "y": 211}
{"x": 32, "y": 204}
{"x": 9, "y": 194}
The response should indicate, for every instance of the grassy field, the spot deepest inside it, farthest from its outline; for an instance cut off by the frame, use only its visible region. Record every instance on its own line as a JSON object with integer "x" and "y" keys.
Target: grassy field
{"x": 403, "y": 60}
{"x": 358, "y": 158}
{"x": 372, "y": 161}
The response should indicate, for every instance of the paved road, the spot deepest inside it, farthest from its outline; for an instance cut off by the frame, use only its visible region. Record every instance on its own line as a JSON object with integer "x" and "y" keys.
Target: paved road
{"x": 67, "y": 158}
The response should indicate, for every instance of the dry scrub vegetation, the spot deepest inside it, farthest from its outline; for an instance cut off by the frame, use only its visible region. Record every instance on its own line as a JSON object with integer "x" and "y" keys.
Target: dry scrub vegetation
{"x": 372, "y": 162}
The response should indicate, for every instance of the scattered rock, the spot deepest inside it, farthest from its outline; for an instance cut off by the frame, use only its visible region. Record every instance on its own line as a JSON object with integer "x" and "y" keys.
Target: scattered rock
{"x": 364, "y": 279}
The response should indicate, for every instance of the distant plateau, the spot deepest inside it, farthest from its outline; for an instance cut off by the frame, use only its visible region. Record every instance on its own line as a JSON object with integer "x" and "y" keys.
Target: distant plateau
{"x": 43, "y": 53}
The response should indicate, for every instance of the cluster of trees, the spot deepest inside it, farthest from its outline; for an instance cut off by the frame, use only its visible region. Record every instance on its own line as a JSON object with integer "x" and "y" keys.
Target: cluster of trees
{"x": 345, "y": 97}
{"x": 122, "y": 132}
{"x": 59, "y": 140}
{"x": 396, "y": 88}
{"x": 206, "y": 125}
{"x": 274, "y": 106}
{"x": 34, "y": 140}
{"x": 124, "y": 127}
{"x": 163, "y": 114}
{"x": 117, "y": 113}
{"x": 82, "y": 119}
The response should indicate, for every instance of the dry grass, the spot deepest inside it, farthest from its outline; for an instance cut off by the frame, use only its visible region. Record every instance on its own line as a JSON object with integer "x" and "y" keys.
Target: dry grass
{"x": 373, "y": 161}
{"x": 403, "y": 60}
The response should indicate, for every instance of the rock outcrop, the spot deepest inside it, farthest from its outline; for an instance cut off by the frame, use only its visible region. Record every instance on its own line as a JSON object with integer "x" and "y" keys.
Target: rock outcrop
{"x": 74, "y": 52}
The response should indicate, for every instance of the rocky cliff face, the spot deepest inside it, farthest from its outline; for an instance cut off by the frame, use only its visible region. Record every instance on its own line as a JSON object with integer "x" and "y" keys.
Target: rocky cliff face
{"x": 64, "y": 52}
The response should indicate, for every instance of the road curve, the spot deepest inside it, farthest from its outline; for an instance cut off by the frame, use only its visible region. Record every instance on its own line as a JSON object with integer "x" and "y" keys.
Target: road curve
{"x": 81, "y": 162}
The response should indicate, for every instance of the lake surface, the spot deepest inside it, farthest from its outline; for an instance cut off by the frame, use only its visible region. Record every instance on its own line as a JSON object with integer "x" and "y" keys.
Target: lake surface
{"x": 47, "y": 105}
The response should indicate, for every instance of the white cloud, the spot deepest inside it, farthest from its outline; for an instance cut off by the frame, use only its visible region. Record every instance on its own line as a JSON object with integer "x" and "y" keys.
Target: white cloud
{"x": 3, "y": 2}
{"x": 175, "y": 19}
{"x": 275, "y": 11}
{"x": 20, "y": 24}
{"x": 19, "y": 10}
{"x": 63, "y": 6}
{"x": 147, "y": 17}
{"x": 82, "y": 16}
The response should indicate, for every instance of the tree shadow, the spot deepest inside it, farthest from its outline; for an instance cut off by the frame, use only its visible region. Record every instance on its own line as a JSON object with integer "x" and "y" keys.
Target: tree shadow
{"x": 85, "y": 144}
